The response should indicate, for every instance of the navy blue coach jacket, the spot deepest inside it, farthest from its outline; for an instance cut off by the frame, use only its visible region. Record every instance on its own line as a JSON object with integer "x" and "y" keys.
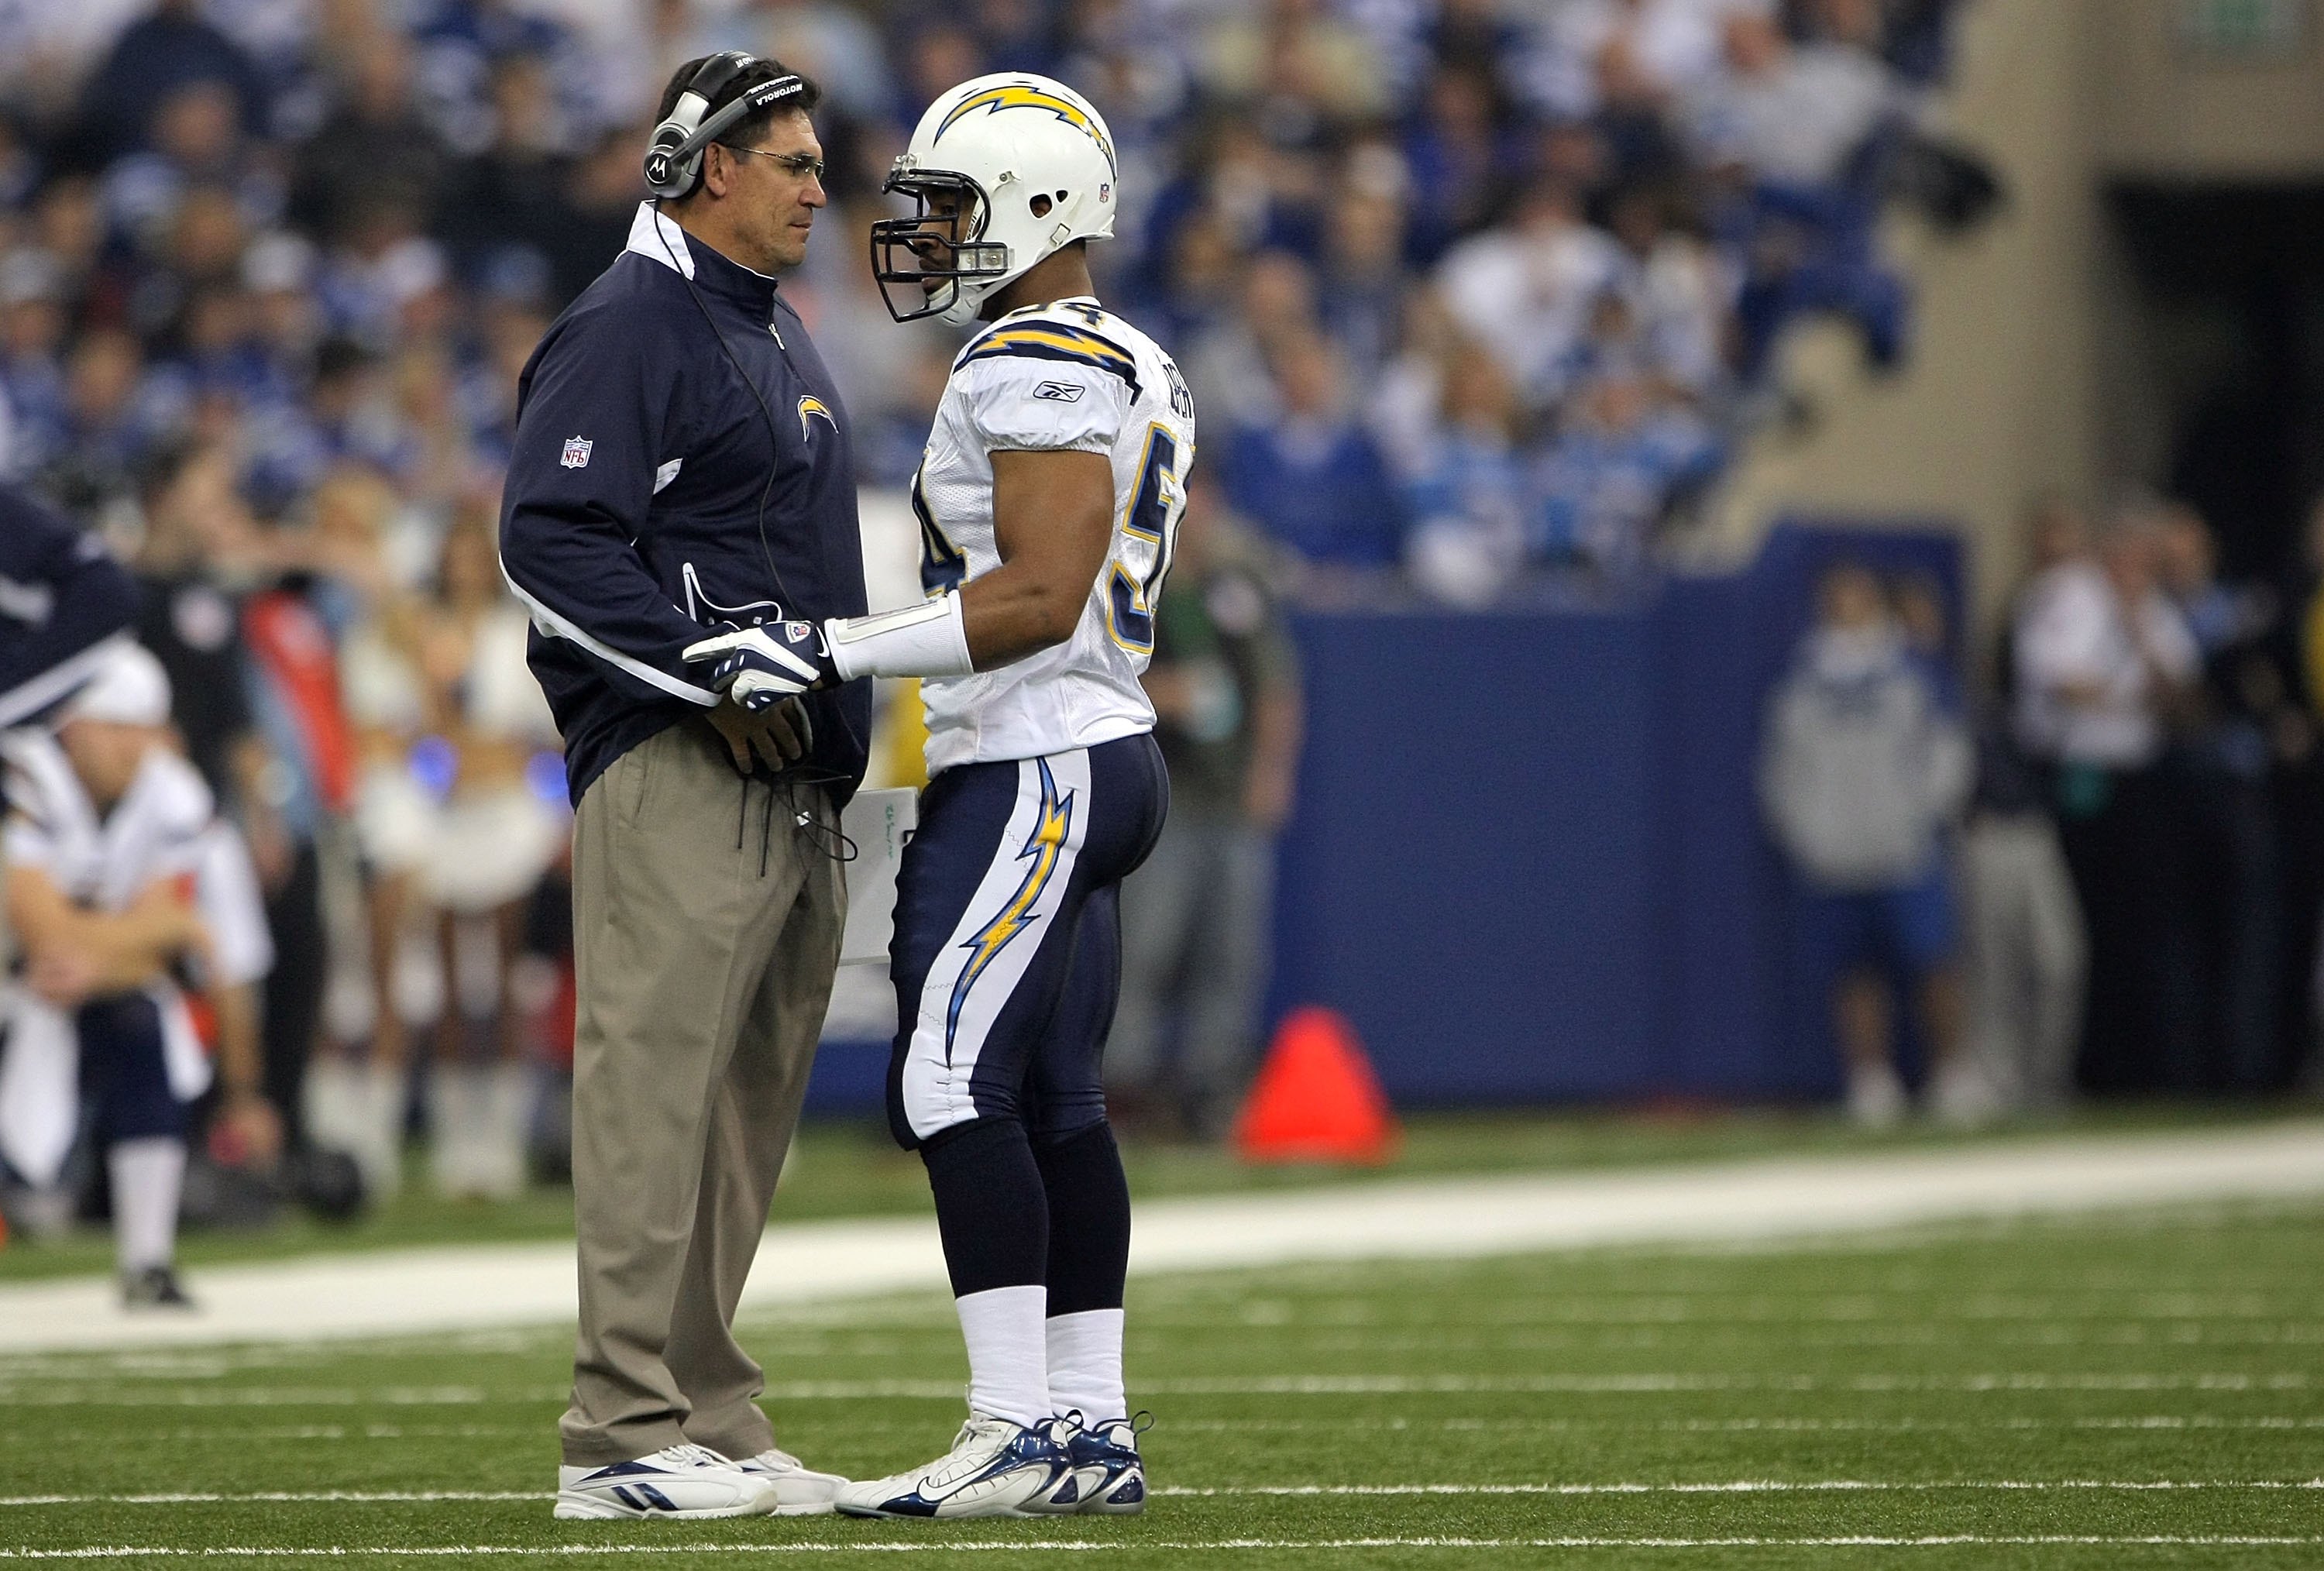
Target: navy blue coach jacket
{"x": 61, "y": 599}
{"x": 630, "y": 524}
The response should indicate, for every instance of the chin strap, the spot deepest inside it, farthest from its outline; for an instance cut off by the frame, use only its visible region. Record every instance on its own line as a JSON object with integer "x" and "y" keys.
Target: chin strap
{"x": 926, "y": 640}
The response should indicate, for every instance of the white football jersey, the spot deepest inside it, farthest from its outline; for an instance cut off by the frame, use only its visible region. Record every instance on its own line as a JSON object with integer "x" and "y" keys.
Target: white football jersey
{"x": 1066, "y": 376}
{"x": 165, "y": 828}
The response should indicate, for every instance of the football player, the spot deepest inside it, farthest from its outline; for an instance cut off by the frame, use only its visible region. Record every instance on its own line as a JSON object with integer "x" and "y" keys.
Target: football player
{"x": 1047, "y": 499}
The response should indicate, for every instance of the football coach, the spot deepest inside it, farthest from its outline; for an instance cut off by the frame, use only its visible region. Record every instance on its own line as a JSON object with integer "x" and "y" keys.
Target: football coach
{"x": 681, "y": 468}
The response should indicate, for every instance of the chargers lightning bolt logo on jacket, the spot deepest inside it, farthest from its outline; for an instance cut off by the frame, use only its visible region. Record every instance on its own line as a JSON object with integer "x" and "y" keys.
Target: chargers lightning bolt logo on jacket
{"x": 1052, "y": 822}
{"x": 811, "y": 406}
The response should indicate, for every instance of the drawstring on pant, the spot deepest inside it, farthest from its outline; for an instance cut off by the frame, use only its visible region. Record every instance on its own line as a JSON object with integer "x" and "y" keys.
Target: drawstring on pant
{"x": 766, "y": 824}
{"x": 827, "y": 838}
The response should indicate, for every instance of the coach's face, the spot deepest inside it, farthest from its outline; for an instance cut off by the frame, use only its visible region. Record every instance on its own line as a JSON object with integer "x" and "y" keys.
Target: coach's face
{"x": 775, "y": 186}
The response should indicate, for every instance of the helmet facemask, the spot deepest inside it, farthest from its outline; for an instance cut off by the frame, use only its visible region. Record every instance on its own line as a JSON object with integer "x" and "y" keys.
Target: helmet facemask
{"x": 942, "y": 244}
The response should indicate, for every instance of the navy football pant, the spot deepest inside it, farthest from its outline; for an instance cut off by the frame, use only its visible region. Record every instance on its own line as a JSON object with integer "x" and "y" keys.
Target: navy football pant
{"x": 124, "y": 1076}
{"x": 1008, "y": 962}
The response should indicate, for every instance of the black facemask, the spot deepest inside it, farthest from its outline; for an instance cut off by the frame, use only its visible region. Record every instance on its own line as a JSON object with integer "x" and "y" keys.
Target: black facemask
{"x": 907, "y": 254}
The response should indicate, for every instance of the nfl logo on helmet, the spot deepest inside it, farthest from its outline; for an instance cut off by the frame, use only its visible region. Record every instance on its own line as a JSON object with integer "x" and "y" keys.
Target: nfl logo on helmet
{"x": 577, "y": 452}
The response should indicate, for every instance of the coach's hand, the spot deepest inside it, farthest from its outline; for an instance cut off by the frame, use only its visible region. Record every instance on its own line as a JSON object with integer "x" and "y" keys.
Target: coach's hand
{"x": 759, "y": 667}
{"x": 776, "y": 734}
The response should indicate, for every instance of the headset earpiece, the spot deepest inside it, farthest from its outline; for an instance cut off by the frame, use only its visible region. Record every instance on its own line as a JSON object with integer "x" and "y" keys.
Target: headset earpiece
{"x": 673, "y": 164}
{"x": 674, "y": 152}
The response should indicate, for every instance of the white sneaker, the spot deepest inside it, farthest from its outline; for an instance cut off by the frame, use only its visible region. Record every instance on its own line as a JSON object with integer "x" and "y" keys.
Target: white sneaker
{"x": 1876, "y": 1097}
{"x": 1961, "y": 1097}
{"x": 800, "y": 1490}
{"x": 680, "y": 1481}
{"x": 993, "y": 1468}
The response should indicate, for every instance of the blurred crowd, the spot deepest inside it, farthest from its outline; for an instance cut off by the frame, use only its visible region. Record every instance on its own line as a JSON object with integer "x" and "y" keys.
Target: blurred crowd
{"x": 1472, "y": 294}
{"x": 2096, "y": 866}
{"x": 1471, "y": 286}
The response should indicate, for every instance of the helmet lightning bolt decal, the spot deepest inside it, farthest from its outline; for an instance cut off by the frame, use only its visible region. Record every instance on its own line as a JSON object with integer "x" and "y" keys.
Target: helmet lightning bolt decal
{"x": 1051, "y": 825}
{"x": 1025, "y": 96}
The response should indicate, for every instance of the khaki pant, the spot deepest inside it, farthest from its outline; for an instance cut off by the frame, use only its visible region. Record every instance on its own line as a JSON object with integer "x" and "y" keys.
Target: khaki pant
{"x": 707, "y": 930}
{"x": 2026, "y": 958}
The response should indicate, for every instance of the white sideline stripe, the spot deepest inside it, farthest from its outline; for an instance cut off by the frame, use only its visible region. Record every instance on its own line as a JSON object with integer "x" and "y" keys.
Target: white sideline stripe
{"x": 466, "y": 1287}
{"x": 1738, "y": 1486}
{"x": 1134, "y": 1546}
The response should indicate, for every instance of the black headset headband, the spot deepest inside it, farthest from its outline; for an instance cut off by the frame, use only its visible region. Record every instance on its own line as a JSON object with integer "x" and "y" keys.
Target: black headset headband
{"x": 673, "y": 161}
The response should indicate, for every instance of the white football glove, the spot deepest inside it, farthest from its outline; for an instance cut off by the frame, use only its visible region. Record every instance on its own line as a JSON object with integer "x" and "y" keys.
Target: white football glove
{"x": 759, "y": 667}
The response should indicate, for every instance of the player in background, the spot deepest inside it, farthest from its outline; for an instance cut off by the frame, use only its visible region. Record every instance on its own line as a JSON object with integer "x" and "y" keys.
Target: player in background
{"x": 1047, "y": 499}
{"x": 130, "y": 895}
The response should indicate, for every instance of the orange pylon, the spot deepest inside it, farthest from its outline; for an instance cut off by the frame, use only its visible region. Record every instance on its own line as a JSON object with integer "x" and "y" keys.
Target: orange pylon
{"x": 1316, "y": 1099}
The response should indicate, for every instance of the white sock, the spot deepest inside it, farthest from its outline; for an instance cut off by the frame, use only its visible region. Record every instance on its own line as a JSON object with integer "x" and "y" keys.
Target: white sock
{"x": 1085, "y": 1364}
{"x": 147, "y": 1175}
{"x": 1008, "y": 1353}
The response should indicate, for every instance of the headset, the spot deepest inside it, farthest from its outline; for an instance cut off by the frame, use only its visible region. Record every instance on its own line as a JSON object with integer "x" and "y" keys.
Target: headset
{"x": 674, "y": 151}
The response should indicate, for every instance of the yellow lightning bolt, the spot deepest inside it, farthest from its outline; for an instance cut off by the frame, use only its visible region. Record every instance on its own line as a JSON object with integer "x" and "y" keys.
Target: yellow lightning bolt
{"x": 1024, "y": 95}
{"x": 1047, "y": 842}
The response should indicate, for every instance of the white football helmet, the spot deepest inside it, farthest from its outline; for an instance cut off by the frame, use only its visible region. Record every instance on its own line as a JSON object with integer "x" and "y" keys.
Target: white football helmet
{"x": 1005, "y": 169}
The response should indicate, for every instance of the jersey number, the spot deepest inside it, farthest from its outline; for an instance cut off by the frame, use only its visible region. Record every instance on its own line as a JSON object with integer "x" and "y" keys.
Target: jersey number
{"x": 941, "y": 565}
{"x": 1153, "y": 516}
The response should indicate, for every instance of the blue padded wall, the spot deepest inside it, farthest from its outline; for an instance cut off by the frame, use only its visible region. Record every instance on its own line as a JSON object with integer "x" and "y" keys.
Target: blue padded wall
{"x": 1527, "y": 860}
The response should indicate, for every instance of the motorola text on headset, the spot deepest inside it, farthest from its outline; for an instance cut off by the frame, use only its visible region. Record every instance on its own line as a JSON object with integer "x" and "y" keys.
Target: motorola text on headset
{"x": 674, "y": 152}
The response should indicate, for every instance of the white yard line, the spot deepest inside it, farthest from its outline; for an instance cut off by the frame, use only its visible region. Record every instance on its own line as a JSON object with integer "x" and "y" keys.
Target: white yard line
{"x": 465, "y": 1287}
{"x": 59, "y": 1392}
{"x": 1137, "y": 1545}
{"x": 1719, "y": 1486}
{"x": 367, "y": 1433}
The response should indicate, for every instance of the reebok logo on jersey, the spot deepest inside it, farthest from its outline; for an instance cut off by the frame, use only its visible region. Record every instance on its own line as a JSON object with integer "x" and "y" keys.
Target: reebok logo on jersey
{"x": 577, "y": 452}
{"x": 1061, "y": 391}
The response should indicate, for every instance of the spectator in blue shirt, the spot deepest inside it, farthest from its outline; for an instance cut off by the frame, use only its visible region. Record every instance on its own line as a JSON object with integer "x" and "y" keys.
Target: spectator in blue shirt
{"x": 1311, "y": 477}
{"x": 1609, "y": 479}
{"x": 1468, "y": 497}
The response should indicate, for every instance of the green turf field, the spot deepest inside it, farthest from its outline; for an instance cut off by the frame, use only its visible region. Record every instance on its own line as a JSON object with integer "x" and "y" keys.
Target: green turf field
{"x": 2131, "y": 1390}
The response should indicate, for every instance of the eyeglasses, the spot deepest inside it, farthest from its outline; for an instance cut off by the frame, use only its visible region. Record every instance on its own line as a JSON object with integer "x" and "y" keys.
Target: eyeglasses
{"x": 805, "y": 165}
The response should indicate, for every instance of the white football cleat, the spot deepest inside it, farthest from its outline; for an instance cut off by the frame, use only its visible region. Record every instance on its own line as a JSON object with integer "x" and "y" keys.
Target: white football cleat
{"x": 679, "y": 1480}
{"x": 800, "y": 1490}
{"x": 1109, "y": 1474}
{"x": 993, "y": 1469}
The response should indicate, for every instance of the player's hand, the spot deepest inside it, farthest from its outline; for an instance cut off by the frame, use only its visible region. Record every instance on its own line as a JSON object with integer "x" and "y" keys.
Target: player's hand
{"x": 247, "y": 1132}
{"x": 759, "y": 667}
{"x": 777, "y": 733}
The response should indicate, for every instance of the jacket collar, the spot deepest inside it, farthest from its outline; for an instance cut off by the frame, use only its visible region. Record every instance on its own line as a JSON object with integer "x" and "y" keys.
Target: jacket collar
{"x": 654, "y": 233}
